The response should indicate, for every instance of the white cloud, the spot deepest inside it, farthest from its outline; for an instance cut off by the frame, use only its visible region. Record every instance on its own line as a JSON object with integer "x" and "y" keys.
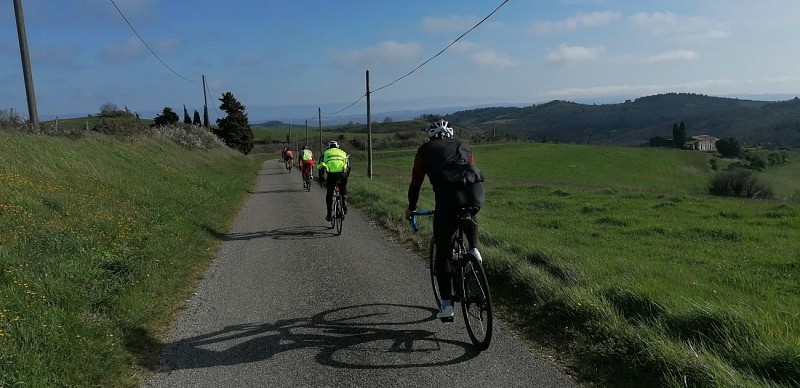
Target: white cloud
{"x": 128, "y": 51}
{"x": 656, "y": 21}
{"x": 493, "y": 59}
{"x": 575, "y": 54}
{"x": 61, "y": 56}
{"x": 169, "y": 44}
{"x": 386, "y": 51}
{"x": 672, "y": 56}
{"x": 462, "y": 47}
{"x": 577, "y": 22}
{"x": 693, "y": 28}
{"x": 251, "y": 58}
{"x": 448, "y": 23}
{"x": 717, "y": 34}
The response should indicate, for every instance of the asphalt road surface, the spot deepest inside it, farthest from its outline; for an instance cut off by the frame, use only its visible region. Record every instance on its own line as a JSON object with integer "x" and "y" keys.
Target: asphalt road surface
{"x": 287, "y": 303}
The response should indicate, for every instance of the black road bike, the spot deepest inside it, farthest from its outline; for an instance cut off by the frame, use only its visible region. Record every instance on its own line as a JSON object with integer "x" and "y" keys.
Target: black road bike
{"x": 306, "y": 178}
{"x": 337, "y": 210}
{"x": 470, "y": 287}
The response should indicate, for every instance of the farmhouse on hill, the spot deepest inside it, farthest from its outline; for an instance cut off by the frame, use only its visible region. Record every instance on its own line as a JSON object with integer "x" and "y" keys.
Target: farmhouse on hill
{"x": 698, "y": 142}
{"x": 702, "y": 143}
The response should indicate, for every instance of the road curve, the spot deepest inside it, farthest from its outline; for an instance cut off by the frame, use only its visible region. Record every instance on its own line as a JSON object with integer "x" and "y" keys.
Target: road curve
{"x": 287, "y": 303}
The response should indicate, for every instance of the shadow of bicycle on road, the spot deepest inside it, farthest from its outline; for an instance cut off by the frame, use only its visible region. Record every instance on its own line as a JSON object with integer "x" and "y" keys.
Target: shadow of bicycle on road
{"x": 277, "y": 191}
{"x": 365, "y": 336}
{"x": 289, "y": 233}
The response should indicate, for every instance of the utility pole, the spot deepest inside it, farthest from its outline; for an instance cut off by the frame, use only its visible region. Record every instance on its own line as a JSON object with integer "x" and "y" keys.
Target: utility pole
{"x": 205, "y": 104}
{"x": 26, "y": 64}
{"x": 306, "y": 132}
{"x": 369, "y": 133}
{"x": 290, "y": 136}
{"x": 319, "y": 116}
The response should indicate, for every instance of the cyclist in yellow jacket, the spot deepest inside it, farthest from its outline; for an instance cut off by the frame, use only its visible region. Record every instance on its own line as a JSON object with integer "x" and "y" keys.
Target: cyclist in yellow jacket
{"x": 337, "y": 164}
{"x": 306, "y": 162}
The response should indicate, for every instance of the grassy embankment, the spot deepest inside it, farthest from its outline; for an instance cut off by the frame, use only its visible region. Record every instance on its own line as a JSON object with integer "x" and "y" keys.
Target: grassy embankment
{"x": 618, "y": 258}
{"x": 100, "y": 240}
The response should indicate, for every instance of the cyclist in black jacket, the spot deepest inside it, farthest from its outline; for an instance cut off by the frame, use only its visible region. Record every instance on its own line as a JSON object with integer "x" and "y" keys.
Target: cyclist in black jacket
{"x": 457, "y": 183}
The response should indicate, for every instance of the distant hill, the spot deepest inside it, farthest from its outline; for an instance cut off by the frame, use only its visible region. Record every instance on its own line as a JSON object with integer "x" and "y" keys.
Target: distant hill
{"x": 634, "y": 122}
{"x": 273, "y": 123}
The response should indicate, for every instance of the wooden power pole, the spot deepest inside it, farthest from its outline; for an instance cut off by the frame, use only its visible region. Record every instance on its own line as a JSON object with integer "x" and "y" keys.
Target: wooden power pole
{"x": 369, "y": 133}
{"x": 319, "y": 118}
{"x": 26, "y": 65}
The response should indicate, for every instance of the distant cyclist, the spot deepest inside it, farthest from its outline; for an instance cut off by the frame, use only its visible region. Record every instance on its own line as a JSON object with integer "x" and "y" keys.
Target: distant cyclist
{"x": 306, "y": 162}
{"x": 457, "y": 183}
{"x": 337, "y": 165}
{"x": 288, "y": 157}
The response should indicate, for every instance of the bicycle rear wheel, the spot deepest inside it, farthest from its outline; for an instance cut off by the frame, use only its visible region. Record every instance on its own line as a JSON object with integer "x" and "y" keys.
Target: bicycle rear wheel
{"x": 338, "y": 217}
{"x": 477, "y": 304}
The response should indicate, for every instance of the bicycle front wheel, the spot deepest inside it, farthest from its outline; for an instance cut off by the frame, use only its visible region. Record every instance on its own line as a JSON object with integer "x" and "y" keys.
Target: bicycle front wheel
{"x": 477, "y": 304}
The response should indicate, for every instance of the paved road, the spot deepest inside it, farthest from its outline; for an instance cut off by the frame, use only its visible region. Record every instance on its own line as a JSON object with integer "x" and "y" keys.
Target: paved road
{"x": 287, "y": 303}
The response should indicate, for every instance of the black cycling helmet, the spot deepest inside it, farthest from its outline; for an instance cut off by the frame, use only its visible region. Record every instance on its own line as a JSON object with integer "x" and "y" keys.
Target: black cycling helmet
{"x": 333, "y": 144}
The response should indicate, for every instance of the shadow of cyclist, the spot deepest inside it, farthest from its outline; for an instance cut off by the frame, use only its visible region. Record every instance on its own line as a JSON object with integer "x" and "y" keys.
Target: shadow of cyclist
{"x": 367, "y": 329}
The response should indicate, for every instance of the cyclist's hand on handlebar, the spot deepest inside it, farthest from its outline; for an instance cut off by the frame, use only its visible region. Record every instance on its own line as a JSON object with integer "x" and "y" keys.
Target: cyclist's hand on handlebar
{"x": 408, "y": 213}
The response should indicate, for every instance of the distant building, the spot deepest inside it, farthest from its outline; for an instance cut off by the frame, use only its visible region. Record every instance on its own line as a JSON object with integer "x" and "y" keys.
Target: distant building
{"x": 658, "y": 141}
{"x": 702, "y": 143}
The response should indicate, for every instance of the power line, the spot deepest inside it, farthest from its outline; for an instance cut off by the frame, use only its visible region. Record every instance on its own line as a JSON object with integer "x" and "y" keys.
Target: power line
{"x": 426, "y": 62}
{"x": 348, "y": 107}
{"x": 443, "y": 50}
{"x": 145, "y": 43}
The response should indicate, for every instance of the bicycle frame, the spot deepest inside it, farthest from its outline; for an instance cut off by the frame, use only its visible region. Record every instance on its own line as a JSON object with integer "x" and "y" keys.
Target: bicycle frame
{"x": 470, "y": 286}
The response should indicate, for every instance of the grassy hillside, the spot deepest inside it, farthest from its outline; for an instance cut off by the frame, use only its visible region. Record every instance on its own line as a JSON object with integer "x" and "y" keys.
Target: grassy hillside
{"x": 634, "y": 122}
{"x": 618, "y": 259}
{"x": 100, "y": 239}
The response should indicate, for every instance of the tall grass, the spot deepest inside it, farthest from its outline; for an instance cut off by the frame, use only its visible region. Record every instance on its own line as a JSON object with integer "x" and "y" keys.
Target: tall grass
{"x": 617, "y": 256}
{"x": 100, "y": 239}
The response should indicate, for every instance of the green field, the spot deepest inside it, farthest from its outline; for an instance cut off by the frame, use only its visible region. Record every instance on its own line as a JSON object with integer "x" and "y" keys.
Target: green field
{"x": 618, "y": 256}
{"x": 615, "y": 257}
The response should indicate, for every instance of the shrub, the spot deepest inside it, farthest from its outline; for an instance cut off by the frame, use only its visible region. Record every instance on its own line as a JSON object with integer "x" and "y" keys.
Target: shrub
{"x": 756, "y": 161}
{"x": 121, "y": 126}
{"x": 739, "y": 183}
{"x": 189, "y": 136}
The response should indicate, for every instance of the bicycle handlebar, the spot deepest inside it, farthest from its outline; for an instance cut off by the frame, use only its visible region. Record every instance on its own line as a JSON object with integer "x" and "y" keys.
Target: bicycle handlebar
{"x": 413, "y": 220}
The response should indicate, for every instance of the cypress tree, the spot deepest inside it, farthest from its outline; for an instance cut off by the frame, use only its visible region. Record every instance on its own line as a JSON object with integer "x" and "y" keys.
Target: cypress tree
{"x": 186, "y": 118}
{"x": 234, "y": 128}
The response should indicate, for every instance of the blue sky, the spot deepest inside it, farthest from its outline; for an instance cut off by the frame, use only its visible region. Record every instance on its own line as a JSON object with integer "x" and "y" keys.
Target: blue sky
{"x": 315, "y": 53}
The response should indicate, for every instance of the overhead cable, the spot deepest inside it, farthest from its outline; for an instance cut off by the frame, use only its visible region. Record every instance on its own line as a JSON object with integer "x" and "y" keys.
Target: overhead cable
{"x": 148, "y": 47}
{"x": 428, "y": 60}
{"x": 348, "y": 107}
{"x": 443, "y": 50}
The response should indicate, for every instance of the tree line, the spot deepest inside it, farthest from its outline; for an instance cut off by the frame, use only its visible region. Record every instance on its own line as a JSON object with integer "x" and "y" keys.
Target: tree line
{"x": 234, "y": 129}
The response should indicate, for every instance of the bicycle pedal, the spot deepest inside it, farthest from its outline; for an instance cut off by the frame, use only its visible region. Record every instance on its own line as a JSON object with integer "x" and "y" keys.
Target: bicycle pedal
{"x": 450, "y": 319}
